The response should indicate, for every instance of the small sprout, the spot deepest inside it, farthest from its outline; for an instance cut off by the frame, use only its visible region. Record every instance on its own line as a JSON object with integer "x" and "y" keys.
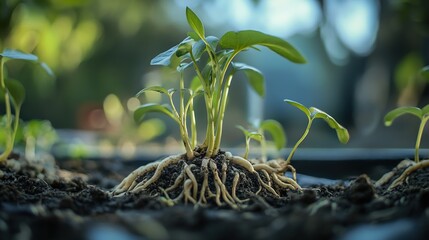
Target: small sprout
{"x": 314, "y": 113}
{"x": 422, "y": 114}
{"x": 13, "y": 93}
{"x": 272, "y": 127}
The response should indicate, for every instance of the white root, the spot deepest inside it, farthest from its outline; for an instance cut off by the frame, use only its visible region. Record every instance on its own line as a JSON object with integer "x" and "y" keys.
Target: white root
{"x": 408, "y": 171}
{"x": 282, "y": 184}
{"x": 199, "y": 193}
{"x": 130, "y": 181}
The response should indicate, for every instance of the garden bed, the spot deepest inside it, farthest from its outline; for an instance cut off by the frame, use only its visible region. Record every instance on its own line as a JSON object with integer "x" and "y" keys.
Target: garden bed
{"x": 48, "y": 203}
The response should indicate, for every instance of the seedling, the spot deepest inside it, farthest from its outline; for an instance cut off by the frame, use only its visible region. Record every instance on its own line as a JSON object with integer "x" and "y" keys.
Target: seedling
{"x": 423, "y": 115}
{"x": 13, "y": 93}
{"x": 211, "y": 60}
{"x": 313, "y": 113}
{"x": 272, "y": 127}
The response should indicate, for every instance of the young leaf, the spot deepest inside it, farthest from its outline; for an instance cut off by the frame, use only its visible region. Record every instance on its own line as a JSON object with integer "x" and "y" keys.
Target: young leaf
{"x": 141, "y": 111}
{"x": 395, "y": 113}
{"x": 195, "y": 84}
{"x": 425, "y": 72}
{"x": 425, "y": 110}
{"x": 164, "y": 58}
{"x": 276, "y": 131}
{"x": 16, "y": 91}
{"x": 195, "y": 23}
{"x": 250, "y": 135}
{"x": 255, "y": 77}
{"x": 342, "y": 133}
{"x": 15, "y": 54}
{"x": 153, "y": 89}
{"x": 299, "y": 106}
{"x": 242, "y": 40}
{"x": 200, "y": 47}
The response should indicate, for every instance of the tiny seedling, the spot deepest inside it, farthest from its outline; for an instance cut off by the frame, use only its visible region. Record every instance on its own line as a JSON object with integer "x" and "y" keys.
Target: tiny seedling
{"x": 313, "y": 113}
{"x": 210, "y": 60}
{"x": 13, "y": 94}
{"x": 273, "y": 127}
{"x": 423, "y": 115}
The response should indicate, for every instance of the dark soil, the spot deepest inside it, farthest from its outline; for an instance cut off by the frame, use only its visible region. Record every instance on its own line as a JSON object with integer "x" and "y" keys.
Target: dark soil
{"x": 38, "y": 201}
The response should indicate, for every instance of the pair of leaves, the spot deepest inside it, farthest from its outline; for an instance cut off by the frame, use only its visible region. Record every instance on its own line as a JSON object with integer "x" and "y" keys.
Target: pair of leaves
{"x": 395, "y": 113}
{"x": 274, "y": 128}
{"x": 314, "y": 113}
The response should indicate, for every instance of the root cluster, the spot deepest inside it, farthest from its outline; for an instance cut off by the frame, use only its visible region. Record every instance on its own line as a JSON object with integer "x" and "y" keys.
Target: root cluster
{"x": 226, "y": 179}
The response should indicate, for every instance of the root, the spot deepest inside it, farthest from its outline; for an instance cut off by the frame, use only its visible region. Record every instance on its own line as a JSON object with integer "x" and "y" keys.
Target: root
{"x": 407, "y": 172}
{"x": 200, "y": 183}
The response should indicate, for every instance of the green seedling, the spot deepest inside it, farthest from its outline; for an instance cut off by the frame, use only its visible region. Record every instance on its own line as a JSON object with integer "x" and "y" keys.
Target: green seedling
{"x": 214, "y": 74}
{"x": 276, "y": 131}
{"x": 422, "y": 114}
{"x": 13, "y": 93}
{"x": 313, "y": 113}
{"x": 209, "y": 62}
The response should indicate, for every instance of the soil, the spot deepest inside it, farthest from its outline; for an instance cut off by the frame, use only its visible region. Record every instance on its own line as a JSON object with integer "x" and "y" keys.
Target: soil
{"x": 40, "y": 200}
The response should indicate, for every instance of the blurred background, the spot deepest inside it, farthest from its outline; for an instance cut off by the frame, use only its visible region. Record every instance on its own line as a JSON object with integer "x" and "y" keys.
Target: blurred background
{"x": 364, "y": 58}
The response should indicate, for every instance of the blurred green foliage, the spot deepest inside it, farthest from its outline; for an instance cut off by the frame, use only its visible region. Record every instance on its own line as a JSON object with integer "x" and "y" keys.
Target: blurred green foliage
{"x": 95, "y": 47}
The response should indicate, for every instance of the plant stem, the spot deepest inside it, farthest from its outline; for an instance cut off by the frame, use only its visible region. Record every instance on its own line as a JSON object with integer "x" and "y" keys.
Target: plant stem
{"x": 246, "y": 153}
{"x": 263, "y": 147}
{"x": 221, "y": 114}
{"x": 419, "y": 137}
{"x": 9, "y": 143}
{"x": 304, "y": 135}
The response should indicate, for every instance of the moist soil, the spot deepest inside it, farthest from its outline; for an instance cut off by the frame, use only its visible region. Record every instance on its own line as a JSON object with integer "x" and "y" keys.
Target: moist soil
{"x": 70, "y": 200}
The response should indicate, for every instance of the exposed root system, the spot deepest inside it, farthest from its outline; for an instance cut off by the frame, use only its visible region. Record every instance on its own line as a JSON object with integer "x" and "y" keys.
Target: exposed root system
{"x": 224, "y": 179}
{"x": 408, "y": 165}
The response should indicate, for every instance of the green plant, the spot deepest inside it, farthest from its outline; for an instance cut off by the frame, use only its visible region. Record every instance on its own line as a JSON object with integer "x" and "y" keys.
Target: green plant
{"x": 13, "y": 93}
{"x": 422, "y": 114}
{"x": 273, "y": 127}
{"x": 204, "y": 166}
{"x": 313, "y": 113}
{"x": 214, "y": 74}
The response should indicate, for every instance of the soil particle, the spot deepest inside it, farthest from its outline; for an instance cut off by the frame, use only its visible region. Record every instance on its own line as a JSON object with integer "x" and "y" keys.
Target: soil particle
{"x": 361, "y": 190}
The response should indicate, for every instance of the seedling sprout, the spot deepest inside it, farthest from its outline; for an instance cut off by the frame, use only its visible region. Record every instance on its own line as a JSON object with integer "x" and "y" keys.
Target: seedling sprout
{"x": 313, "y": 113}
{"x": 13, "y": 93}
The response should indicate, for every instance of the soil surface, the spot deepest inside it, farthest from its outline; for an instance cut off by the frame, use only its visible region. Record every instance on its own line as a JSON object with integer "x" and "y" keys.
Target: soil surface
{"x": 40, "y": 200}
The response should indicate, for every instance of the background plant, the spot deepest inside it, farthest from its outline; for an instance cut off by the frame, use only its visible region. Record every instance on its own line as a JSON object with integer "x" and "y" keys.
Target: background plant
{"x": 422, "y": 114}
{"x": 13, "y": 93}
{"x": 212, "y": 61}
{"x": 273, "y": 127}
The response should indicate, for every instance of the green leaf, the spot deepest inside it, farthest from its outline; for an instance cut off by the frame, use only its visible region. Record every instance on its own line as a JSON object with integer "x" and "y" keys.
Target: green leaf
{"x": 425, "y": 72}
{"x": 275, "y": 129}
{"x": 255, "y": 77}
{"x": 158, "y": 89}
{"x": 299, "y": 106}
{"x": 47, "y": 69}
{"x": 200, "y": 46}
{"x": 195, "y": 23}
{"x": 16, "y": 91}
{"x": 395, "y": 113}
{"x": 165, "y": 58}
{"x": 250, "y": 134}
{"x": 425, "y": 110}
{"x": 242, "y": 40}
{"x": 342, "y": 133}
{"x": 141, "y": 111}
{"x": 195, "y": 84}
{"x": 15, "y": 54}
